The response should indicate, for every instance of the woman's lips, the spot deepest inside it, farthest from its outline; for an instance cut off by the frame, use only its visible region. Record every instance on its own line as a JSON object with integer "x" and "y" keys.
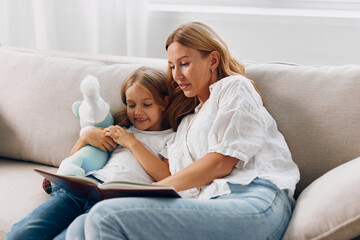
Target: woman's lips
{"x": 184, "y": 86}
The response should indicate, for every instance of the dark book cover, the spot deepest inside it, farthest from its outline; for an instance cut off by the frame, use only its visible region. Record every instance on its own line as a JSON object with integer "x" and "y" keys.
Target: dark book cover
{"x": 90, "y": 188}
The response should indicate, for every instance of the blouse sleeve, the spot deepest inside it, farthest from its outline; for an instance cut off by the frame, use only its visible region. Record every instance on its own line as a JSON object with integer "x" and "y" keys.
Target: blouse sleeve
{"x": 239, "y": 127}
{"x": 168, "y": 141}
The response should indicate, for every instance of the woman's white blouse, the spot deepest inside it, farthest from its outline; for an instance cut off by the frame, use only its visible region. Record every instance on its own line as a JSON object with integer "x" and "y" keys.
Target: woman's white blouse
{"x": 234, "y": 122}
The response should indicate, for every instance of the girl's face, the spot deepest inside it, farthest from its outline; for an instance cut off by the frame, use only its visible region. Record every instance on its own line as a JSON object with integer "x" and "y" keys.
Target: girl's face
{"x": 190, "y": 70}
{"x": 143, "y": 112}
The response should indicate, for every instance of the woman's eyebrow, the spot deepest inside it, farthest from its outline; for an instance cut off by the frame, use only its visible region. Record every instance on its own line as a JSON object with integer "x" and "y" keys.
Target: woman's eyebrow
{"x": 179, "y": 58}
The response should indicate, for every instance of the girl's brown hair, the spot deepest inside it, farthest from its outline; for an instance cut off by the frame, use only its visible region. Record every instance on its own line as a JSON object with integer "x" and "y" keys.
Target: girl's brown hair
{"x": 198, "y": 36}
{"x": 154, "y": 82}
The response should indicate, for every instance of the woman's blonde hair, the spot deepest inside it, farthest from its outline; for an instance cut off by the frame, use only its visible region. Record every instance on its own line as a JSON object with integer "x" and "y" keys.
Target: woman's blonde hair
{"x": 151, "y": 80}
{"x": 198, "y": 36}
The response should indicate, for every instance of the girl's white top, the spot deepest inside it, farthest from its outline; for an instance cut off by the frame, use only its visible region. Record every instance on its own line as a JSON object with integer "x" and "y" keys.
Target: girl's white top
{"x": 234, "y": 122}
{"x": 122, "y": 164}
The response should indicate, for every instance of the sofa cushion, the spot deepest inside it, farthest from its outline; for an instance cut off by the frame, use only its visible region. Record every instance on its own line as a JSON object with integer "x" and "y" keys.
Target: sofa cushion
{"x": 329, "y": 208}
{"x": 36, "y": 121}
{"x": 317, "y": 108}
{"x": 21, "y": 191}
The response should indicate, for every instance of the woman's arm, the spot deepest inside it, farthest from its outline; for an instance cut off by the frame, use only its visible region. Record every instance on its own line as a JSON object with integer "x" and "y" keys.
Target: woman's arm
{"x": 201, "y": 172}
{"x": 155, "y": 167}
{"x": 95, "y": 137}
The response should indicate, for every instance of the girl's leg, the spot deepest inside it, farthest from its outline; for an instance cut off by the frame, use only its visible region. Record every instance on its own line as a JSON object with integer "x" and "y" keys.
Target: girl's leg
{"x": 256, "y": 211}
{"x": 49, "y": 219}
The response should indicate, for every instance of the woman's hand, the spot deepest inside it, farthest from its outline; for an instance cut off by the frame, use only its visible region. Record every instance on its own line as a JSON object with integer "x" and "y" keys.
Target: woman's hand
{"x": 121, "y": 136}
{"x": 201, "y": 172}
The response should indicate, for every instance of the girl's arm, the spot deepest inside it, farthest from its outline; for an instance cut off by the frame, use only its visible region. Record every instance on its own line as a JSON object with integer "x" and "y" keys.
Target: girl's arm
{"x": 201, "y": 172}
{"x": 155, "y": 167}
{"x": 95, "y": 137}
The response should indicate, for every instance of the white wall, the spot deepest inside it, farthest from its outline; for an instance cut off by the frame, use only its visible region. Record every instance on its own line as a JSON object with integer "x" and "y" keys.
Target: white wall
{"x": 261, "y": 30}
{"x": 298, "y": 39}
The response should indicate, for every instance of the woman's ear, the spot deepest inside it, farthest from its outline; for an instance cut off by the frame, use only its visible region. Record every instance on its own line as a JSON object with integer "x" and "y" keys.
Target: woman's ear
{"x": 166, "y": 103}
{"x": 215, "y": 60}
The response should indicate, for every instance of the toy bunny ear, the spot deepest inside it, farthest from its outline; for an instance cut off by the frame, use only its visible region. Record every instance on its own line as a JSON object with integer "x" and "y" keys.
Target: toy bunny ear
{"x": 75, "y": 108}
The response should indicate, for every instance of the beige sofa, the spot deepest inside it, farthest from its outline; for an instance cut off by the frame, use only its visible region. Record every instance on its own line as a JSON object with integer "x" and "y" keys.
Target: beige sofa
{"x": 317, "y": 108}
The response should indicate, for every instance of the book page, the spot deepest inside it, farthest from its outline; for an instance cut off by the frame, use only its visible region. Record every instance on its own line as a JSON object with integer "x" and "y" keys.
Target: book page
{"x": 56, "y": 178}
{"x": 130, "y": 185}
{"x": 83, "y": 179}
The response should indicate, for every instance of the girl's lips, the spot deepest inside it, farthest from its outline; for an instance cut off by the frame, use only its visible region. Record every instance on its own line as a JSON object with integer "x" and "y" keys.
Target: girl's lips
{"x": 140, "y": 120}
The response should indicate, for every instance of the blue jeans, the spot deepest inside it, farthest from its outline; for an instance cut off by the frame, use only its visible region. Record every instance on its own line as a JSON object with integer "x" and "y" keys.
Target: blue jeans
{"x": 51, "y": 218}
{"x": 255, "y": 211}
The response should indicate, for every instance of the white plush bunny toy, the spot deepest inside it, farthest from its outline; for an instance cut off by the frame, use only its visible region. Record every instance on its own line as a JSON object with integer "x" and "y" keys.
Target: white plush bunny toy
{"x": 93, "y": 111}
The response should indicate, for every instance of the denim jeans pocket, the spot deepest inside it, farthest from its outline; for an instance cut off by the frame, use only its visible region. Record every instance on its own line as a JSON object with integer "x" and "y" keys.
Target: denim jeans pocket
{"x": 260, "y": 195}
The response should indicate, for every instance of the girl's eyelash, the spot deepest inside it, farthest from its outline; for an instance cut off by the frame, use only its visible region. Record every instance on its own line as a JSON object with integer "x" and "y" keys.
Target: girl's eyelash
{"x": 146, "y": 105}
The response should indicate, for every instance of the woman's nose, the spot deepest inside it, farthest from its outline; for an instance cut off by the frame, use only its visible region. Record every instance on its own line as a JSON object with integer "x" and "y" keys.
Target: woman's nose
{"x": 177, "y": 74}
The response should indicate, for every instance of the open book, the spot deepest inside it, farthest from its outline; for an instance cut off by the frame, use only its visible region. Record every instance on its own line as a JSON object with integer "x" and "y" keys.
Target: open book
{"x": 90, "y": 188}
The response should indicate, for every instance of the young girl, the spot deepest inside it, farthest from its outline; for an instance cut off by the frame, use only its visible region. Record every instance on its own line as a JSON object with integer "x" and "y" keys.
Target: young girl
{"x": 141, "y": 141}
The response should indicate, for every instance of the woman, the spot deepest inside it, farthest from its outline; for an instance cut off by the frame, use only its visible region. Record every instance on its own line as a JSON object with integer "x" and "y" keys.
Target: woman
{"x": 228, "y": 160}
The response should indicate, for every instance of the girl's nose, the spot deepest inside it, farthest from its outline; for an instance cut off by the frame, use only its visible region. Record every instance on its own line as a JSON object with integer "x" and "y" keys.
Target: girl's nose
{"x": 138, "y": 110}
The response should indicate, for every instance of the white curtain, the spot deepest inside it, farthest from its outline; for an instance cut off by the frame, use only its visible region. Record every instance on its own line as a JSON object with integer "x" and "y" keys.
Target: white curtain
{"x": 92, "y": 26}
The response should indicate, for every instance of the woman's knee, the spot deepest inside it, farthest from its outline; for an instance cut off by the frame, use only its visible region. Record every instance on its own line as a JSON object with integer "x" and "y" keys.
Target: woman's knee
{"x": 76, "y": 228}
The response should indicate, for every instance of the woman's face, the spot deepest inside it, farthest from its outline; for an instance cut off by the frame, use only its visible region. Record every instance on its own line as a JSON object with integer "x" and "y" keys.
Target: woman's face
{"x": 191, "y": 70}
{"x": 143, "y": 112}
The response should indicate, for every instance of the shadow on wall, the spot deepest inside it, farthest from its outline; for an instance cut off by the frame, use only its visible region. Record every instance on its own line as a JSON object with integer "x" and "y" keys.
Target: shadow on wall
{"x": 8, "y": 138}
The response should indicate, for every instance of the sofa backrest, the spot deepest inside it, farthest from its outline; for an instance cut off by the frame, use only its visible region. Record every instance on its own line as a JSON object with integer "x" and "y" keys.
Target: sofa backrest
{"x": 37, "y": 91}
{"x": 317, "y": 108}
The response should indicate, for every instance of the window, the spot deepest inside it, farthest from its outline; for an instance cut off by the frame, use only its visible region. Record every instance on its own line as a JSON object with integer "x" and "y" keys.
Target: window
{"x": 336, "y": 9}
{"x": 303, "y": 4}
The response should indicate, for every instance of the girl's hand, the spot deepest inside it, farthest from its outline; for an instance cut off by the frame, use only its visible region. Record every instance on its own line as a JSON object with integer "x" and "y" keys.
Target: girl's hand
{"x": 154, "y": 166}
{"x": 97, "y": 138}
{"x": 121, "y": 136}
